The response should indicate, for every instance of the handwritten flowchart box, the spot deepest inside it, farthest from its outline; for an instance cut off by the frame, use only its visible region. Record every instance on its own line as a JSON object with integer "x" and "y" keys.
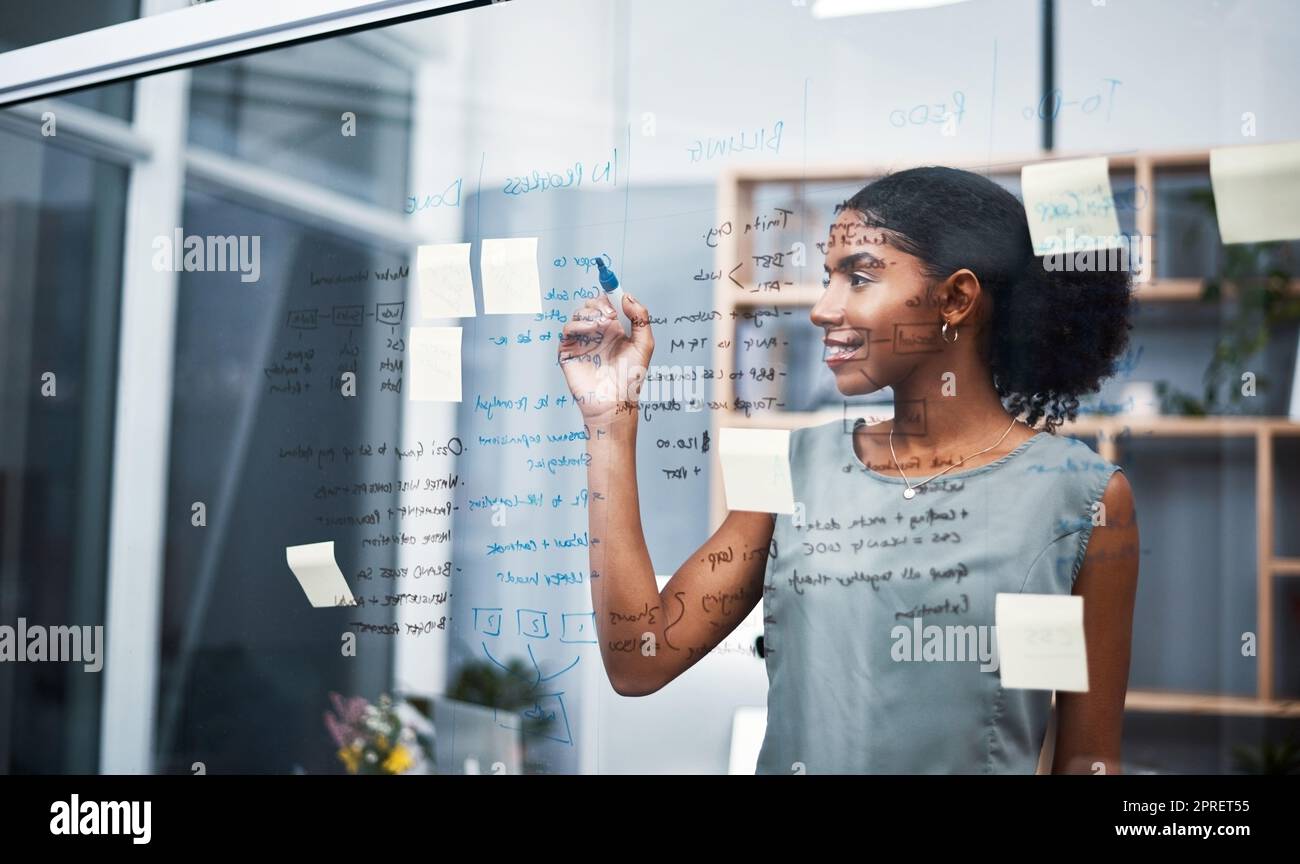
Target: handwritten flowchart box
{"x": 349, "y": 316}
{"x": 532, "y": 623}
{"x": 302, "y": 319}
{"x": 389, "y": 313}
{"x": 578, "y": 627}
{"x": 487, "y": 621}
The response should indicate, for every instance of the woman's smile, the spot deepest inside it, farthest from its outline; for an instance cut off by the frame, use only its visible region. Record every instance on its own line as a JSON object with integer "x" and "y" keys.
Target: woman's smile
{"x": 841, "y": 346}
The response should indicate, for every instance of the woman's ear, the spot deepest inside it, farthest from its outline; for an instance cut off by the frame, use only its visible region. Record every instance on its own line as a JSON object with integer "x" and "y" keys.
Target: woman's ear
{"x": 958, "y": 296}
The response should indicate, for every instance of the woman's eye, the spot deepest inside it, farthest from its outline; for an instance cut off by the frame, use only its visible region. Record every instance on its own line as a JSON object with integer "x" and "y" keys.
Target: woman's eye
{"x": 826, "y": 281}
{"x": 860, "y": 278}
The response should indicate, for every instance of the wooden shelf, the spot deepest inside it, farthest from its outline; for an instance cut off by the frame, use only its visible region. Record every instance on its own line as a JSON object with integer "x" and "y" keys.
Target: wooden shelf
{"x": 791, "y": 295}
{"x": 1115, "y": 425}
{"x": 1210, "y": 704}
{"x": 1285, "y": 566}
{"x": 1156, "y": 291}
{"x": 1163, "y": 426}
{"x": 784, "y": 172}
{"x": 1182, "y": 290}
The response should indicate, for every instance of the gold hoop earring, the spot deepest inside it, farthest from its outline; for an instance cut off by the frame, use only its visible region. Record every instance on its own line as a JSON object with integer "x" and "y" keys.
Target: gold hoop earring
{"x": 944, "y": 334}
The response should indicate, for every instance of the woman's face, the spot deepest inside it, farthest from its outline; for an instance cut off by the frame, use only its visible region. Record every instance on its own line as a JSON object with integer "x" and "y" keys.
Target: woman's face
{"x": 880, "y": 325}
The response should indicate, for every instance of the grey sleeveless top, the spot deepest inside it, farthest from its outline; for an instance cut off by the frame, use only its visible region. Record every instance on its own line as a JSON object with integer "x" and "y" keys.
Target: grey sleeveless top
{"x": 850, "y": 689}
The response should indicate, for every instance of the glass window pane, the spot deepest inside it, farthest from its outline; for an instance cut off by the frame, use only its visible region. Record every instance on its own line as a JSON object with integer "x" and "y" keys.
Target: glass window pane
{"x": 32, "y": 23}
{"x": 462, "y": 529}
{"x": 61, "y": 234}
{"x": 335, "y": 113}
{"x": 262, "y": 437}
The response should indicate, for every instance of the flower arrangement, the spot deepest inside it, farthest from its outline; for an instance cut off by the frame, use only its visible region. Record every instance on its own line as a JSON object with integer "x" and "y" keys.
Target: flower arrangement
{"x": 372, "y": 739}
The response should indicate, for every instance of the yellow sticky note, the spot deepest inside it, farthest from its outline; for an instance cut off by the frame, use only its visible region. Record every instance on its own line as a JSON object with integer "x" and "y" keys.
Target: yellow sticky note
{"x": 434, "y": 369}
{"x": 319, "y": 575}
{"x": 1070, "y": 206}
{"x": 511, "y": 283}
{"x": 756, "y": 469}
{"x": 1257, "y": 192}
{"x": 446, "y": 286}
{"x": 1040, "y": 642}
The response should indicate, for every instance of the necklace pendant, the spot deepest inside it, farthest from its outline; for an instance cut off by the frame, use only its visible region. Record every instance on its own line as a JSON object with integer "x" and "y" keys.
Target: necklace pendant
{"x": 909, "y": 493}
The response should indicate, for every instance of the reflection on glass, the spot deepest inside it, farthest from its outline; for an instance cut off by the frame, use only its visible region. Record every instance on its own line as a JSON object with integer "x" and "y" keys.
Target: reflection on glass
{"x": 334, "y": 113}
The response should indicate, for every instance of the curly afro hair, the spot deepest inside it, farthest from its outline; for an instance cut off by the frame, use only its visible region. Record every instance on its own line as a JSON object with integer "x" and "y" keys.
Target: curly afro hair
{"x": 1052, "y": 335}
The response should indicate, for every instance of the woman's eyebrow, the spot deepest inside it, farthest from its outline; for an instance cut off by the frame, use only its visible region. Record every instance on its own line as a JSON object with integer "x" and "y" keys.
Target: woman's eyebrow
{"x": 849, "y": 262}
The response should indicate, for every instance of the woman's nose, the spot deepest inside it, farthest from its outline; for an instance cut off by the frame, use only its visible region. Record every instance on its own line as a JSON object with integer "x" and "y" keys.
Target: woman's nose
{"x": 827, "y": 311}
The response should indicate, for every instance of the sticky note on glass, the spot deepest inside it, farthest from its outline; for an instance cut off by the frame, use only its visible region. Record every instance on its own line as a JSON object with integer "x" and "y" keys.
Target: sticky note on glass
{"x": 434, "y": 369}
{"x": 318, "y": 574}
{"x": 1070, "y": 206}
{"x": 1040, "y": 642}
{"x": 1257, "y": 192}
{"x": 511, "y": 284}
{"x": 756, "y": 469}
{"x": 446, "y": 286}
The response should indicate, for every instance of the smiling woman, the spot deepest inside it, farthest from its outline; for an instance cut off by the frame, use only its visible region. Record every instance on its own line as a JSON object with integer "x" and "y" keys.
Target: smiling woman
{"x": 913, "y": 261}
{"x": 927, "y": 253}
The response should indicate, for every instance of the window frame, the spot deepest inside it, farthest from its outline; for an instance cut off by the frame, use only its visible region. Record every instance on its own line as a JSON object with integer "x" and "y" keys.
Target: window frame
{"x": 181, "y": 35}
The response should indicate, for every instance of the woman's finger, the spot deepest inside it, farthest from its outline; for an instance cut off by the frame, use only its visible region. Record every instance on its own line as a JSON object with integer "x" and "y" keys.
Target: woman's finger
{"x": 642, "y": 337}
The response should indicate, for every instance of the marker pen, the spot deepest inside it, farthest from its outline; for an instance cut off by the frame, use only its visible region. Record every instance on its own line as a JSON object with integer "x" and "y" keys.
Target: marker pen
{"x": 609, "y": 282}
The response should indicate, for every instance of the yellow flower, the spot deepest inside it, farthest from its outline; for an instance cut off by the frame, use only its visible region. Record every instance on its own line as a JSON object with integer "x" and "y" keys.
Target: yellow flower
{"x": 399, "y": 760}
{"x": 351, "y": 757}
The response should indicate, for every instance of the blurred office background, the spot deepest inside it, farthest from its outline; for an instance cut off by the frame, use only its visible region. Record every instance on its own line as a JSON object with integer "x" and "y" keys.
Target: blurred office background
{"x": 166, "y": 391}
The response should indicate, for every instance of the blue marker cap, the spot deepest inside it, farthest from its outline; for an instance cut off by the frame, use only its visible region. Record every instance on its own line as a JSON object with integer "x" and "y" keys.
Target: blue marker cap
{"x": 608, "y": 280}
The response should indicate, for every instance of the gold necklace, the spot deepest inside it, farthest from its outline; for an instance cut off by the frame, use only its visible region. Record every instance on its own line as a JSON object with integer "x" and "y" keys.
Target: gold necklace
{"x": 910, "y": 492}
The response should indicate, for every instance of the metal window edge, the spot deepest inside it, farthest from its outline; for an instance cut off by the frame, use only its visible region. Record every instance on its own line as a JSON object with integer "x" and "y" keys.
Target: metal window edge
{"x": 191, "y": 35}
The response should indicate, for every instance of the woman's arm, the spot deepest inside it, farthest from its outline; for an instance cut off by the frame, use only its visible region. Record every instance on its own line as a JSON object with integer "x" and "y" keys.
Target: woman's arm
{"x": 647, "y": 638}
{"x": 1089, "y": 725}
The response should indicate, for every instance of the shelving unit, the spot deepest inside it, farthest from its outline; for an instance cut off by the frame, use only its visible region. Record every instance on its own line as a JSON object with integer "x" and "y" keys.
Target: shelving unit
{"x": 736, "y": 195}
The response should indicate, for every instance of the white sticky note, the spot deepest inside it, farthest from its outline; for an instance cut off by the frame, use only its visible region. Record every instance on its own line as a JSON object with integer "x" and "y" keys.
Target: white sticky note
{"x": 1257, "y": 192}
{"x": 434, "y": 370}
{"x": 319, "y": 574}
{"x": 511, "y": 284}
{"x": 1070, "y": 206}
{"x": 446, "y": 286}
{"x": 1040, "y": 642}
{"x": 756, "y": 469}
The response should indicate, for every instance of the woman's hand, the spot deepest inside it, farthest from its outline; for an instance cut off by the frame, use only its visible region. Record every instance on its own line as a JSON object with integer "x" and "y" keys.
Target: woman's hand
{"x": 603, "y": 367}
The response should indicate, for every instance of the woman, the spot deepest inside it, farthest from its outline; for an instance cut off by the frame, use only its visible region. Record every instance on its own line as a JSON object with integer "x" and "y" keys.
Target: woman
{"x": 931, "y": 289}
